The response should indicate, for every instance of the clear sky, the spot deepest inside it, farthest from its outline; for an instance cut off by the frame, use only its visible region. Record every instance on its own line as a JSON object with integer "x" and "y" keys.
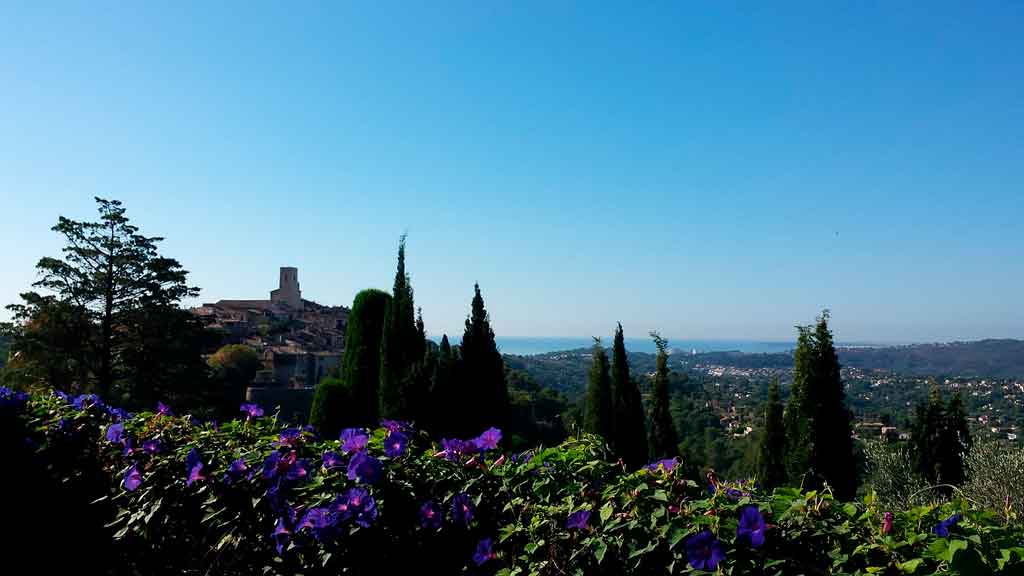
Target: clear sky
{"x": 711, "y": 170}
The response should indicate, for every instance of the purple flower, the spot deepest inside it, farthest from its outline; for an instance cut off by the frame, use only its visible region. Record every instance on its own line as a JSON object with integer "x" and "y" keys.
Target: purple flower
{"x": 431, "y": 516}
{"x": 281, "y": 535}
{"x": 115, "y": 433}
{"x": 364, "y": 468}
{"x": 887, "y": 519}
{"x": 277, "y": 464}
{"x": 751, "y": 526}
{"x": 251, "y": 410}
{"x": 321, "y": 521}
{"x": 236, "y": 471}
{"x": 84, "y": 401}
{"x": 132, "y": 478}
{"x": 163, "y": 409}
{"x": 358, "y": 505}
{"x": 488, "y": 440}
{"x": 353, "y": 440}
{"x": 704, "y": 551}
{"x": 129, "y": 446}
{"x": 331, "y": 459}
{"x": 117, "y": 414}
{"x": 578, "y": 520}
{"x": 194, "y": 467}
{"x": 462, "y": 509}
{"x": 484, "y": 552}
{"x": 62, "y": 395}
{"x": 942, "y": 528}
{"x": 454, "y": 448}
{"x": 669, "y": 464}
{"x": 289, "y": 437}
{"x": 394, "y": 425}
{"x": 395, "y": 444}
{"x": 298, "y": 471}
{"x": 153, "y": 446}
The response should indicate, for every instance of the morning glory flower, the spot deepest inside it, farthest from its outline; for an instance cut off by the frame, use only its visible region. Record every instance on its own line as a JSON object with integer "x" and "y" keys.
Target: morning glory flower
{"x": 84, "y": 401}
{"x": 484, "y": 552}
{"x": 251, "y": 410}
{"x": 163, "y": 409}
{"x": 236, "y": 471}
{"x": 298, "y": 471}
{"x": 277, "y": 464}
{"x": 578, "y": 520}
{"x": 887, "y": 519}
{"x": 331, "y": 459}
{"x": 454, "y": 448}
{"x": 129, "y": 446}
{"x": 281, "y": 535}
{"x": 132, "y": 478}
{"x": 353, "y": 440}
{"x": 488, "y": 440}
{"x": 704, "y": 551}
{"x": 942, "y": 528}
{"x": 431, "y": 516}
{"x": 462, "y": 509}
{"x": 359, "y": 506}
{"x": 289, "y": 437}
{"x": 117, "y": 414}
{"x": 153, "y": 446}
{"x": 115, "y": 433}
{"x": 364, "y": 468}
{"x": 320, "y": 521}
{"x": 668, "y": 464}
{"x": 194, "y": 467}
{"x": 395, "y": 444}
{"x": 751, "y": 526}
{"x": 394, "y": 425}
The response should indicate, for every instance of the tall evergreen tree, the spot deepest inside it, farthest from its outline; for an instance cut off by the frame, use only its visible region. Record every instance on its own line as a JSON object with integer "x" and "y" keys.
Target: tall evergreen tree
{"x": 771, "y": 457}
{"x": 400, "y": 347}
{"x": 113, "y": 278}
{"x": 360, "y": 365}
{"x": 629, "y": 429}
{"x": 940, "y": 439}
{"x": 598, "y": 416}
{"x": 482, "y": 372}
{"x": 819, "y": 445}
{"x": 444, "y": 394}
{"x": 664, "y": 440}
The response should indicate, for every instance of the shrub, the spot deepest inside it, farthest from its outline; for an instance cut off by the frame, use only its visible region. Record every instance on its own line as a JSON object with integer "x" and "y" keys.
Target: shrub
{"x": 330, "y": 406}
{"x": 248, "y": 497}
{"x": 995, "y": 470}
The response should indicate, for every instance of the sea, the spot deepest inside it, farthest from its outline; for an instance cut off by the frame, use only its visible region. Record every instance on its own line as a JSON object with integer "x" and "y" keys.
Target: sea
{"x": 527, "y": 345}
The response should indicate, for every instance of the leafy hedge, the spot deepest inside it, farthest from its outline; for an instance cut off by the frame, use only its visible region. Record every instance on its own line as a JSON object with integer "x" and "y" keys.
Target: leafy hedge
{"x": 252, "y": 497}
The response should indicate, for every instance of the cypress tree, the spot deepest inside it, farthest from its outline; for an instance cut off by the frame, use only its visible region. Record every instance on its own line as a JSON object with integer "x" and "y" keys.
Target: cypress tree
{"x": 443, "y": 392}
{"x": 664, "y": 441}
{"x": 482, "y": 372}
{"x": 771, "y": 454}
{"x": 940, "y": 439}
{"x": 959, "y": 440}
{"x": 818, "y": 430}
{"x": 360, "y": 364}
{"x": 598, "y": 416}
{"x": 629, "y": 430}
{"x": 400, "y": 347}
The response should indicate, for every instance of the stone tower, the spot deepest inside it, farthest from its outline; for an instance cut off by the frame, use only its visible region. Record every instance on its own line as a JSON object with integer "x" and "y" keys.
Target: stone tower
{"x": 288, "y": 289}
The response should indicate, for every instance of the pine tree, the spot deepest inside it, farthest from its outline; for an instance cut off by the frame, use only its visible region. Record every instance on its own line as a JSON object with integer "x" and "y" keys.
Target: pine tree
{"x": 400, "y": 347}
{"x": 818, "y": 431}
{"x": 629, "y": 430}
{"x": 598, "y": 416}
{"x": 771, "y": 457}
{"x": 664, "y": 441}
{"x": 360, "y": 365}
{"x": 482, "y": 372}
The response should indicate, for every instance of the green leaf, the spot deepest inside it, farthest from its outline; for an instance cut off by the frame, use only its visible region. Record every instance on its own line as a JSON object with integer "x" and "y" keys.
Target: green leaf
{"x": 677, "y": 534}
{"x": 849, "y": 509}
{"x": 910, "y": 566}
{"x": 606, "y": 512}
{"x": 599, "y": 550}
{"x": 954, "y": 547}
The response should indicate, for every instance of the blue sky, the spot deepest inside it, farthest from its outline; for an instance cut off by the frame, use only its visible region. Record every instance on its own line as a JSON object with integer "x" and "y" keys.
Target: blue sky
{"x": 711, "y": 170}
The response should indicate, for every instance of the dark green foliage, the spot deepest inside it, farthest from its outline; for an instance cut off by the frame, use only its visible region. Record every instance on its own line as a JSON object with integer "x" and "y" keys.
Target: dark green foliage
{"x": 629, "y": 430}
{"x": 444, "y": 393}
{"x": 940, "y": 439}
{"x": 771, "y": 454}
{"x": 664, "y": 440}
{"x": 234, "y": 367}
{"x": 333, "y": 407}
{"x": 536, "y": 414}
{"x": 597, "y": 418}
{"x": 481, "y": 373}
{"x": 401, "y": 346}
{"x": 360, "y": 366}
{"x": 112, "y": 319}
{"x": 819, "y": 445}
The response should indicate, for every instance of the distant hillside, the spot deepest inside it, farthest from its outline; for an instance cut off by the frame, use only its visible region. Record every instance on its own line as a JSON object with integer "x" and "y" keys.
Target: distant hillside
{"x": 984, "y": 358}
{"x": 567, "y": 370}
